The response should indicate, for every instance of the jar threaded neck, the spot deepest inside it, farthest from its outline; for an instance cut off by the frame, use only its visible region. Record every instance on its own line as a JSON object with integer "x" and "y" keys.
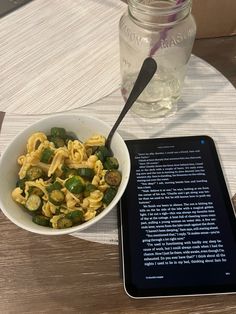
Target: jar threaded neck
{"x": 158, "y": 13}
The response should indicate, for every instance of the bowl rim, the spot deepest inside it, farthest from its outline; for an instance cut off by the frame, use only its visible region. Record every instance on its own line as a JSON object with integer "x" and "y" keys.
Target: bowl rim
{"x": 87, "y": 224}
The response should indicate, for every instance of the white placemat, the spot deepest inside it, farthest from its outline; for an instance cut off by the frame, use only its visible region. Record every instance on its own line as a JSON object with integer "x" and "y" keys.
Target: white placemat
{"x": 208, "y": 106}
{"x": 59, "y": 55}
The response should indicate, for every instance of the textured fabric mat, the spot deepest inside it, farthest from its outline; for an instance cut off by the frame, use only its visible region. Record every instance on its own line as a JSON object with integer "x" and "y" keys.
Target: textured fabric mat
{"x": 59, "y": 55}
{"x": 207, "y": 107}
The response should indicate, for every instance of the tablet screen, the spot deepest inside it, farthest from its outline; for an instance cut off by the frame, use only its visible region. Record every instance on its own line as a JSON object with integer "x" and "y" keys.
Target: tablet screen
{"x": 178, "y": 224}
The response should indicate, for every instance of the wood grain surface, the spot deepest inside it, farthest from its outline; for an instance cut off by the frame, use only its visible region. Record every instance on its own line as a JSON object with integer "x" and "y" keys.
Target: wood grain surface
{"x": 67, "y": 275}
{"x": 63, "y": 274}
{"x": 220, "y": 53}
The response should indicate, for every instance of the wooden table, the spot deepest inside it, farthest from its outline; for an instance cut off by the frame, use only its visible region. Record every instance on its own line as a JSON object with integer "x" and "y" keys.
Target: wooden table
{"x": 63, "y": 274}
{"x": 219, "y": 52}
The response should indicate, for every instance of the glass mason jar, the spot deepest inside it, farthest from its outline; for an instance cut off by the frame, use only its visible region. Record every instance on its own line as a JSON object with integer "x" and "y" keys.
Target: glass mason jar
{"x": 164, "y": 30}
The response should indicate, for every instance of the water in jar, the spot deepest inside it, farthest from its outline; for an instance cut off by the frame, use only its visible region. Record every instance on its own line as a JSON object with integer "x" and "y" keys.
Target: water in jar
{"x": 158, "y": 99}
{"x": 169, "y": 44}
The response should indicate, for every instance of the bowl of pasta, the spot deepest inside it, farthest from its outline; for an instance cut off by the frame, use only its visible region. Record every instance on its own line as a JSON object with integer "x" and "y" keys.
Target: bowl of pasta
{"x": 58, "y": 177}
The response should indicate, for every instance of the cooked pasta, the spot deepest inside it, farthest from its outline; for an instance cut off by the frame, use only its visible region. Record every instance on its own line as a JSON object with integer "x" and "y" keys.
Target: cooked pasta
{"x": 77, "y": 151}
{"x": 17, "y": 195}
{"x": 34, "y": 139}
{"x": 95, "y": 140}
{"x": 58, "y": 160}
{"x": 64, "y": 182}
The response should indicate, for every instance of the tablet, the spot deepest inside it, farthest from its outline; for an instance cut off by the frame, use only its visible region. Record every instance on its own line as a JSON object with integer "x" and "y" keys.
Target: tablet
{"x": 178, "y": 227}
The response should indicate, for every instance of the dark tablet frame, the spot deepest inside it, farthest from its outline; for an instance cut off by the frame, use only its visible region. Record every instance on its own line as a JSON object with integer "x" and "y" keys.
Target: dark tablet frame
{"x": 130, "y": 288}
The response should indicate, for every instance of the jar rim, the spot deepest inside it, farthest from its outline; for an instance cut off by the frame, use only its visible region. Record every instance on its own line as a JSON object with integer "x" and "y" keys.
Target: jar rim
{"x": 161, "y": 7}
{"x": 159, "y": 13}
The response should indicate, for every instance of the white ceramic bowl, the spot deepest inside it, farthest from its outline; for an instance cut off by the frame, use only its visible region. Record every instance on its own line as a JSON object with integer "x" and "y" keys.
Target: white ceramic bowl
{"x": 83, "y": 126}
